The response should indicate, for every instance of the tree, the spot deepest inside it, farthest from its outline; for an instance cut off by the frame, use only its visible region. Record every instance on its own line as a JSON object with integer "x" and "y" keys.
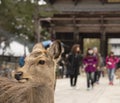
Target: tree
{"x": 23, "y": 17}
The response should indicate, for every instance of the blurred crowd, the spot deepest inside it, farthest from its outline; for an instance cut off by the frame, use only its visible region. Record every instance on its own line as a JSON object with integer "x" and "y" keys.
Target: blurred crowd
{"x": 92, "y": 64}
{"x": 6, "y": 71}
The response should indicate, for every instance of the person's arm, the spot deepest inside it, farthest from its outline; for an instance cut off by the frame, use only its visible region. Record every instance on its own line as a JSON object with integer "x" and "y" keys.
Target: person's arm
{"x": 117, "y": 59}
{"x": 68, "y": 59}
{"x": 80, "y": 60}
{"x": 85, "y": 62}
{"x": 95, "y": 62}
{"x": 108, "y": 62}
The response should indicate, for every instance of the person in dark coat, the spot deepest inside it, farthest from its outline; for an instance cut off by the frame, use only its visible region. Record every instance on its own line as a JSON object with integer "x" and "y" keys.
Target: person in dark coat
{"x": 74, "y": 62}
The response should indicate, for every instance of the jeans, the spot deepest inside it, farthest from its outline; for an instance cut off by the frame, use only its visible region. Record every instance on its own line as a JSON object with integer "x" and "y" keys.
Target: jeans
{"x": 90, "y": 79}
{"x": 111, "y": 74}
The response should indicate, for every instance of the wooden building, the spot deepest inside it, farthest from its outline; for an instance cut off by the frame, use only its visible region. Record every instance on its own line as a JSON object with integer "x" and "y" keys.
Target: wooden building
{"x": 80, "y": 19}
{"x": 115, "y": 46}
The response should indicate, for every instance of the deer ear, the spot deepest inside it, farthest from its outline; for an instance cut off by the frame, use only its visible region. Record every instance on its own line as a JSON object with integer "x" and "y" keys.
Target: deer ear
{"x": 55, "y": 49}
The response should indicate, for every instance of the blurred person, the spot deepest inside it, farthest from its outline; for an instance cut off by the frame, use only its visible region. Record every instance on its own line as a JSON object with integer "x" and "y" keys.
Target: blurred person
{"x": 66, "y": 66}
{"x": 2, "y": 70}
{"x": 98, "y": 66}
{"x": 111, "y": 61}
{"x": 90, "y": 64}
{"x": 103, "y": 70}
{"x": 74, "y": 62}
{"x": 7, "y": 71}
{"x": 61, "y": 68}
{"x": 22, "y": 61}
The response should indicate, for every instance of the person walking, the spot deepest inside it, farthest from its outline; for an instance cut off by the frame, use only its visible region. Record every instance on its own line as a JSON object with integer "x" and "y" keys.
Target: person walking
{"x": 111, "y": 61}
{"x": 98, "y": 66}
{"x": 74, "y": 62}
{"x": 22, "y": 61}
{"x": 90, "y": 63}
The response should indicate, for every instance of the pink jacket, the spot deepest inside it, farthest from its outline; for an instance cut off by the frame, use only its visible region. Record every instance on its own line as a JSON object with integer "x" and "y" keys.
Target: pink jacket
{"x": 90, "y": 62}
{"x": 111, "y": 62}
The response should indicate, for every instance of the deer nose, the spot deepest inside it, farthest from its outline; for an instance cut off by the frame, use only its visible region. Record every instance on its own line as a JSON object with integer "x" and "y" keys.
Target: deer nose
{"x": 18, "y": 75}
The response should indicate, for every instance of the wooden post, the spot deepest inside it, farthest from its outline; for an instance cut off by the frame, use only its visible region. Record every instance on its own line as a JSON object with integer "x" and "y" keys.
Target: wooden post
{"x": 76, "y": 31}
{"x": 52, "y": 32}
{"x": 81, "y": 43}
{"x": 103, "y": 40}
{"x": 103, "y": 1}
{"x": 75, "y": 2}
{"x": 76, "y": 35}
{"x": 103, "y": 44}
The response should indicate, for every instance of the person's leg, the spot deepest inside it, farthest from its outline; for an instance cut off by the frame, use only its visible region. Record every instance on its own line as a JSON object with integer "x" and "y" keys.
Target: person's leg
{"x": 109, "y": 75}
{"x": 88, "y": 80}
{"x": 71, "y": 80}
{"x": 92, "y": 78}
{"x": 112, "y": 75}
{"x": 98, "y": 77}
{"x": 75, "y": 79}
{"x": 95, "y": 77}
{"x": 102, "y": 73}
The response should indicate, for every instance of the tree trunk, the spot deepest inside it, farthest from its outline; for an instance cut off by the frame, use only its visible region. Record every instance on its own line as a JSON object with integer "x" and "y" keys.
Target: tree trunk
{"x": 37, "y": 30}
{"x": 37, "y": 24}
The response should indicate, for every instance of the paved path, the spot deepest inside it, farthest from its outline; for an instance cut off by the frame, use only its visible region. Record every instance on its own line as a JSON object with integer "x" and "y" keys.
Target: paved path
{"x": 102, "y": 93}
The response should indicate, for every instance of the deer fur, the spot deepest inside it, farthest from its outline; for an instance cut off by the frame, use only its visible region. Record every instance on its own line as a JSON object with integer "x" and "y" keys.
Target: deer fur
{"x": 36, "y": 82}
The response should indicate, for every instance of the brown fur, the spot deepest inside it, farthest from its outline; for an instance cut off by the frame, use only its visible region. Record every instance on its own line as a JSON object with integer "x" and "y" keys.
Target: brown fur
{"x": 36, "y": 85}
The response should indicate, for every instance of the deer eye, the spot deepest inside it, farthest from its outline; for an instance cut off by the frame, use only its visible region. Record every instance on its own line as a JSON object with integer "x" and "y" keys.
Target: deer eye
{"x": 42, "y": 62}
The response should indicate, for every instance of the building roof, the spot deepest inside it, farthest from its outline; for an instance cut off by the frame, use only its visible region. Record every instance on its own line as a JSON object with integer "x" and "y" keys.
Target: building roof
{"x": 84, "y": 5}
{"x": 87, "y": 7}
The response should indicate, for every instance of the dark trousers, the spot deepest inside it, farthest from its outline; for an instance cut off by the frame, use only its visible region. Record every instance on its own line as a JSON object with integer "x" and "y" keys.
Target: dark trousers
{"x": 90, "y": 79}
{"x": 97, "y": 76}
{"x": 73, "y": 80}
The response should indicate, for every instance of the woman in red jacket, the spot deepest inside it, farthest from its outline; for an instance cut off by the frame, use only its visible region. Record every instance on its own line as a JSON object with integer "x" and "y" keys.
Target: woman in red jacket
{"x": 111, "y": 62}
{"x": 90, "y": 63}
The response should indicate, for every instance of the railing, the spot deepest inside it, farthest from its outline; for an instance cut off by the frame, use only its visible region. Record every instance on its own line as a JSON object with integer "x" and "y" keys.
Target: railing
{"x": 8, "y": 58}
{"x": 8, "y": 64}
